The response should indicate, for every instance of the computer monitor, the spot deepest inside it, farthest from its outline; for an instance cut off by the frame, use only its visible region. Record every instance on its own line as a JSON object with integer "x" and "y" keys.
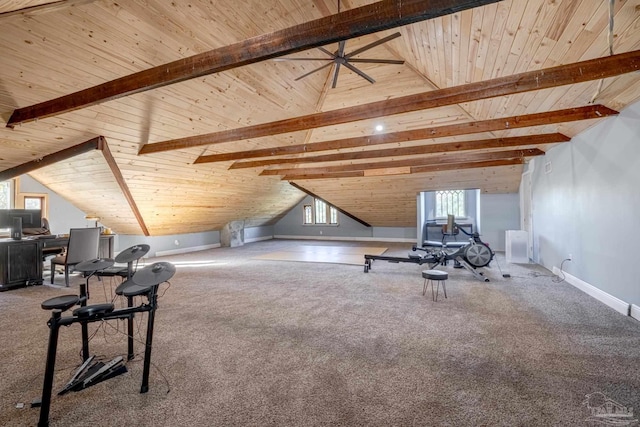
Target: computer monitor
{"x": 31, "y": 218}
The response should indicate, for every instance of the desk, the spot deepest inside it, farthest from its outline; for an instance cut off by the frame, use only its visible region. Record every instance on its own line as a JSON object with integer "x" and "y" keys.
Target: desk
{"x": 21, "y": 260}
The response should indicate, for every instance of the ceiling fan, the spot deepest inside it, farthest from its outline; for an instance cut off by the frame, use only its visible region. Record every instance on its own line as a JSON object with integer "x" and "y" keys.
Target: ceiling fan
{"x": 339, "y": 57}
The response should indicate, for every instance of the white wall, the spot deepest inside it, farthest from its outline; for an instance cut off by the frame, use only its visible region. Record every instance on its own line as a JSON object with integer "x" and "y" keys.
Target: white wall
{"x": 171, "y": 244}
{"x": 588, "y": 206}
{"x": 62, "y": 215}
{"x": 427, "y": 204}
{"x": 255, "y": 234}
{"x": 291, "y": 226}
{"x": 498, "y": 213}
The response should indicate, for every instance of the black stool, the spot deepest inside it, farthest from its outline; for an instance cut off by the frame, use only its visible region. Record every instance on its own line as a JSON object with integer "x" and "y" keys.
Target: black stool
{"x": 62, "y": 302}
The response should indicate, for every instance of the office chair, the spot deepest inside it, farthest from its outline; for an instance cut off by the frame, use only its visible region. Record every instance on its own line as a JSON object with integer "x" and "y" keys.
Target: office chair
{"x": 47, "y": 252}
{"x": 83, "y": 246}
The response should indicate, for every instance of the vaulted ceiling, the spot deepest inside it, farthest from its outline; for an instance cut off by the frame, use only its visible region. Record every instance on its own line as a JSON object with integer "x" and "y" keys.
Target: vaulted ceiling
{"x": 182, "y": 120}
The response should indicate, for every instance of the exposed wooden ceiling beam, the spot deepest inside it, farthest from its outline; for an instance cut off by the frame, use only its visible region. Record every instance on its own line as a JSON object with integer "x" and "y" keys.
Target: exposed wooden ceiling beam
{"x": 331, "y": 175}
{"x": 515, "y": 141}
{"x": 422, "y": 161}
{"x": 469, "y": 165}
{"x": 593, "y": 69}
{"x": 467, "y": 128}
{"x": 304, "y": 190}
{"x": 67, "y": 153}
{"x": 122, "y": 183}
{"x": 412, "y": 170}
{"x": 97, "y": 143}
{"x": 352, "y": 23}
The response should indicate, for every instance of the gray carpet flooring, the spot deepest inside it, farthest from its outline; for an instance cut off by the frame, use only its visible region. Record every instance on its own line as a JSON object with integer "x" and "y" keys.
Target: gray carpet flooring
{"x": 244, "y": 342}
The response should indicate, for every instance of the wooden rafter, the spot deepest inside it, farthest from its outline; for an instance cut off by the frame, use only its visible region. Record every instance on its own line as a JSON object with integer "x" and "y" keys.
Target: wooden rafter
{"x": 67, "y": 153}
{"x": 304, "y": 190}
{"x": 515, "y": 141}
{"x": 421, "y": 161}
{"x": 593, "y": 69}
{"x": 97, "y": 143}
{"x": 115, "y": 170}
{"x": 356, "y": 22}
{"x": 469, "y": 165}
{"x": 513, "y": 122}
{"x": 411, "y": 170}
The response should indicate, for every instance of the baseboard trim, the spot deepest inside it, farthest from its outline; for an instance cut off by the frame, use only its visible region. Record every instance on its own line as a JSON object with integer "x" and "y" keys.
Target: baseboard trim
{"x": 347, "y": 239}
{"x": 187, "y": 250}
{"x": 258, "y": 239}
{"x": 605, "y": 298}
{"x": 635, "y": 312}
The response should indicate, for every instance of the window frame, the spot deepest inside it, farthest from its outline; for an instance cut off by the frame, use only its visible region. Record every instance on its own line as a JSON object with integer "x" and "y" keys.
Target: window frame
{"x": 4, "y": 232}
{"x": 464, "y": 207}
{"x": 44, "y": 202}
{"x": 12, "y": 192}
{"x": 329, "y": 214}
{"x": 320, "y": 211}
{"x": 307, "y": 219}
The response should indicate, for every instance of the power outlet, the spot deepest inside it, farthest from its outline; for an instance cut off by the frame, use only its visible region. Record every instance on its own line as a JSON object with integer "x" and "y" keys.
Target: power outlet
{"x": 570, "y": 257}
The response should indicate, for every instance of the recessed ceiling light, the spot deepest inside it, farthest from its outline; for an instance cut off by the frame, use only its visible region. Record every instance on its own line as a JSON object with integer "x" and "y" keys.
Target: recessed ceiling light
{"x": 379, "y": 128}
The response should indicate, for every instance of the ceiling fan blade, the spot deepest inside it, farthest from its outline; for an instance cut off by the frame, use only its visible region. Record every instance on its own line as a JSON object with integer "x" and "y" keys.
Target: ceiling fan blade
{"x": 314, "y": 70}
{"x": 335, "y": 75}
{"x": 301, "y": 59}
{"x": 341, "y": 48}
{"x": 360, "y": 73}
{"x": 378, "y": 61}
{"x": 320, "y": 48}
{"x": 374, "y": 44}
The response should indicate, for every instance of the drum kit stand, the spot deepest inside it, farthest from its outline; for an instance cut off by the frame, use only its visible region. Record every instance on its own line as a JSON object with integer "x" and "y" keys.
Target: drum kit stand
{"x": 144, "y": 282}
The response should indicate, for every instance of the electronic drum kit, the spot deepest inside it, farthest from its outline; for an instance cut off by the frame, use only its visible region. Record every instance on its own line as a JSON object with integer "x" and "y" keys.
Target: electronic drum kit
{"x": 144, "y": 279}
{"x": 144, "y": 282}
{"x": 132, "y": 254}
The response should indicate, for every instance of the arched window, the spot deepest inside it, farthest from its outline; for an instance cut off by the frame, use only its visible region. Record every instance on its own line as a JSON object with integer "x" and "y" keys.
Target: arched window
{"x": 319, "y": 213}
{"x": 450, "y": 202}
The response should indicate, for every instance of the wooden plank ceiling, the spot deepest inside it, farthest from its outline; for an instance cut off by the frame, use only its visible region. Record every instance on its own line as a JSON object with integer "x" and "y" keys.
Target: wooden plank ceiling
{"x": 196, "y": 154}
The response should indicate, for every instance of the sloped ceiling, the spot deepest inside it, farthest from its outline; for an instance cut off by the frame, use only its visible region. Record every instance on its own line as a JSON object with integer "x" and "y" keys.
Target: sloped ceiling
{"x": 49, "y": 50}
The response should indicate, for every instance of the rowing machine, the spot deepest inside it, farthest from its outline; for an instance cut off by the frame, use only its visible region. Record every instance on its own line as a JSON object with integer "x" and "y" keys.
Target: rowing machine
{"x": 475, "y": 254}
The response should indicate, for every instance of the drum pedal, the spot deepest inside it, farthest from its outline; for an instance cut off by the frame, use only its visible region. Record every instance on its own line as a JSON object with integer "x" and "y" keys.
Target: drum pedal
{"x": 103, "y": 370}
{"x": 89, "y": 374}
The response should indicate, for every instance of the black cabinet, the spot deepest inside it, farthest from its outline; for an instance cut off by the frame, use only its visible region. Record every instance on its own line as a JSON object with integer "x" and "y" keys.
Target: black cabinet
{"x": 20, "y": 263}
{"x": 21, "y": 260}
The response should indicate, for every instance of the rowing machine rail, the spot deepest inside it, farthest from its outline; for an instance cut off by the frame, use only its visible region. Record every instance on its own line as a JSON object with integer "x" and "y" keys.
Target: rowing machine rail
{"x": 475, "y": 254}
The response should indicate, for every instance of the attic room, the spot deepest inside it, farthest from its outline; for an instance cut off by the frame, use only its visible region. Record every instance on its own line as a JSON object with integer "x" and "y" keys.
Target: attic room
{"x": 261, "y": 152}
